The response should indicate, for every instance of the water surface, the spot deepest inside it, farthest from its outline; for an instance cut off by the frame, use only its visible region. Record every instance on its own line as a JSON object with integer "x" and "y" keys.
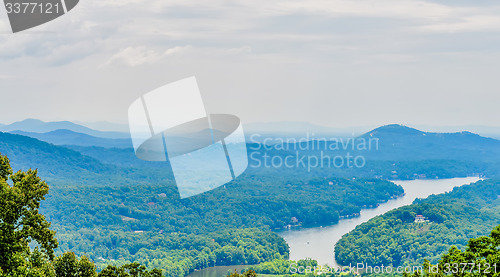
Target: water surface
{"x": 318, "y": 243}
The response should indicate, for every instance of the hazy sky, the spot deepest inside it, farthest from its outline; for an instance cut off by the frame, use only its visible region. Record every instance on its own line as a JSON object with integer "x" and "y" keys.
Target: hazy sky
{"x": 333, "y": 62}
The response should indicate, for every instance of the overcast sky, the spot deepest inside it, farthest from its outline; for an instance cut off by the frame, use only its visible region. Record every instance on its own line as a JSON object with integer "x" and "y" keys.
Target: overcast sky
{"x": 333, "y": 62}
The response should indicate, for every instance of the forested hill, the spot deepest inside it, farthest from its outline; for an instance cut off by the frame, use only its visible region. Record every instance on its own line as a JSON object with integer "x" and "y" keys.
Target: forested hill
{"x": 109, "y": 205}
{"x": 64, "y": 166}
{"x": 149, "y": 225}
{"x": 396, "y": 152}
{"x": 38, "y": 126}
{"x": 388, "y": 152}
{"x": 68, "y": 137}
{"x": 453, "y": 218}
{"x": 53, "y": 162}
{"x": 401, "y": 143}
{"x": 126, "y": 212}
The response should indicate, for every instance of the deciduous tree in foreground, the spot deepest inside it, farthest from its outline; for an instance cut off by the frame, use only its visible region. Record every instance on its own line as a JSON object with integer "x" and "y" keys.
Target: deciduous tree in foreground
{"x": 481, "y": 257}
{"x": 20, "y": 221}
{"x": 22, "y": 224}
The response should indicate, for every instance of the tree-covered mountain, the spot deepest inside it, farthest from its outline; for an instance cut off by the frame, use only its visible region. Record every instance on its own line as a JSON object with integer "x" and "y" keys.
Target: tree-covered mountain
{"x": 135, "y": 223}
{"x": 109, "y": 205}
{"x": 64, "y": 166}
{"x": 396, "y": 152}
{"x": 396, "y": 239}
{"x": 480, "y": 257}
{"x": 38, "y": 126}
{"x": 27, "y": 241}
{"x": 67, "y": 137}
{"x": 388, "y": 152}
{"x": 401, "y": 143}
{"x": 128, "y": 212}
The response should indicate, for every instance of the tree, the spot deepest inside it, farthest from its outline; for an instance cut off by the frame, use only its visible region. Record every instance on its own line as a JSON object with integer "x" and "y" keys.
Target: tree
{"x": 481, "y": 257}
{"x": 20, "y": 221}
{"x": 36, "y": 265}
{"x": 68, "y": 265}
{"x": 248, "y": 273}
{"x": 129, "y": 270}
{"x": 86, "y": 268}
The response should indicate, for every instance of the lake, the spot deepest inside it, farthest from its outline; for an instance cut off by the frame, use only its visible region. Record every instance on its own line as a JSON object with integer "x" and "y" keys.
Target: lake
{"x": 318, "y": 243}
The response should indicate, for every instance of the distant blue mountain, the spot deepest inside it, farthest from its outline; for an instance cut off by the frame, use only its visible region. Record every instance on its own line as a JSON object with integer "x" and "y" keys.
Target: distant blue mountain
{"x": 398, "y": 142}
{"x": 38, "y": 126}
{"x": 67, "y": 137}
{"x": 400, "y": 149}
{"x": 105, "y": 126}
{"x": 62, "y": 166}
{"x": 394, "y": 129}
{"x": 54, "y": 162}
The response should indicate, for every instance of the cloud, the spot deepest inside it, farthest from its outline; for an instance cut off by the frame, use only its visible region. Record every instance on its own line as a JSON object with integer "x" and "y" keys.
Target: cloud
{"x": 136, "y": 56}
{"x": 6, "y": 77}
{"x": 480, "y": 23}
{"x": 105, "y": 27}
{"x": 142, "y": 55}
{"x": 405, "y": 9}
{"x": 335, "y": 50}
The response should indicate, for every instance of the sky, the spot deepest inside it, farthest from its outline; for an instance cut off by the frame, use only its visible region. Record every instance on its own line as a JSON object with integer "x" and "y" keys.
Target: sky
{"x": 335, "y": 63}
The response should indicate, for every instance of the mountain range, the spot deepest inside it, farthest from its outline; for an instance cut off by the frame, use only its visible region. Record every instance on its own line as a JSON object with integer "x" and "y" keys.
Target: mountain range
{"x": 402, "y": 152}
{"x": 64, "y": 166}
{"x": 38, "y": 126}
{"x": 68, "y": 137}
{"x": 398, "y": 142}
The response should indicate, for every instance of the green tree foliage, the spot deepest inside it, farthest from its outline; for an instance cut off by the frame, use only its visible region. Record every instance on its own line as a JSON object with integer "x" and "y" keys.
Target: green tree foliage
{"x": 68, "y": 265}
{"x": 301, "y": 268}
{"x": 178, "y": 253}
{"x": 20, "y": 220}
{"x": 227, "y": 226}
{"x": 283, "y": 267}
{"x": 251, "y": 201}
{"x": 34, "y": 265}
{"x": 481, "y": 257}
{"x": 248, "y": 273}
{"x": 139, "y": 219}
{"x": 129, "y": 270}
{"x": 22, "y": 224}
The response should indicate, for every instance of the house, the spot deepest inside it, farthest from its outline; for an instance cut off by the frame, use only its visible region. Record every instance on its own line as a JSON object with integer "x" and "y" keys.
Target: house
{"x": 419, "y": 218}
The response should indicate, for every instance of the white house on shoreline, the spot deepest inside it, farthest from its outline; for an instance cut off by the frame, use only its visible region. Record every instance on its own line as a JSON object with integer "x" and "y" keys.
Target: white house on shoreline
{"x": 420, "y": 219}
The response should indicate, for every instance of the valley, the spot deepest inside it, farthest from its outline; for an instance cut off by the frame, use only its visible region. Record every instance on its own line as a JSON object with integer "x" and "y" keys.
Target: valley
{"x": 138, "y": 216}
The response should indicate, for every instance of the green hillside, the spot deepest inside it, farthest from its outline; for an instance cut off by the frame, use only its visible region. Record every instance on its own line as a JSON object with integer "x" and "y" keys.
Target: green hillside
{"x": 395, "y": 239}
{"x": 115, "y": 208}
{"x": 63, "y": 166}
